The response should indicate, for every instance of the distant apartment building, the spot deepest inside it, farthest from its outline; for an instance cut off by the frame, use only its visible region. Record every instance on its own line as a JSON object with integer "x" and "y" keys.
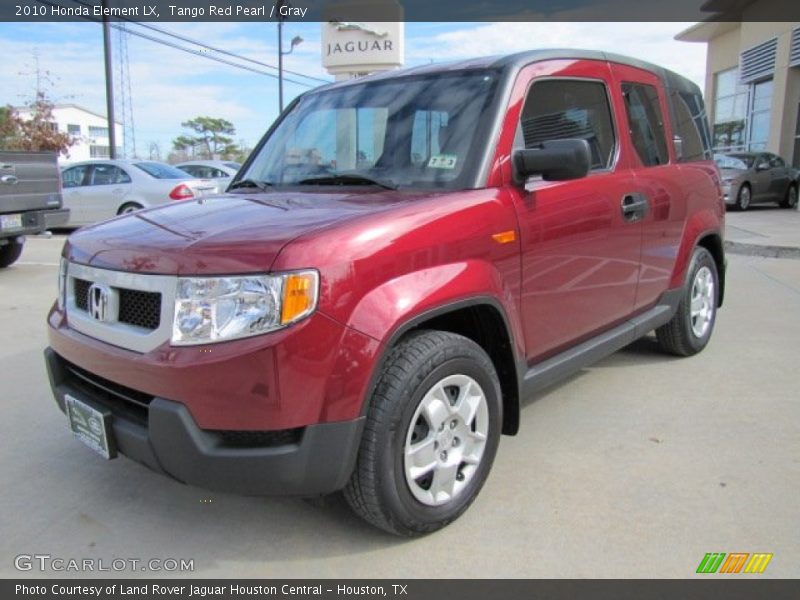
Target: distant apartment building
{"x": 752, "y": 86}
{"x": 90, "y": 130}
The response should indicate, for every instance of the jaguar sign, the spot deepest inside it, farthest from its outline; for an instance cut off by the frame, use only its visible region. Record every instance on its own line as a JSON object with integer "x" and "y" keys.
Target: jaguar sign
{"x": 351, "y": 48}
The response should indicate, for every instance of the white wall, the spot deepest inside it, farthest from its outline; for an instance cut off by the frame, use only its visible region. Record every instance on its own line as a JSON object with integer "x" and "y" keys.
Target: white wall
{"x": 74, "y": 115}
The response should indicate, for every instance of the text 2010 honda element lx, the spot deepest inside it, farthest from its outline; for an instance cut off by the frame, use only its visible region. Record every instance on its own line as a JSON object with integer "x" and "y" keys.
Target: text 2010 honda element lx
{"x": 401, "y": 261}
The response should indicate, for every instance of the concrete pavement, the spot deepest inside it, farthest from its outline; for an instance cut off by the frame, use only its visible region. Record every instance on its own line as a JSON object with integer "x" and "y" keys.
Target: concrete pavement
{"x": 764, "y": 231}
{"x": 635, "y": 467}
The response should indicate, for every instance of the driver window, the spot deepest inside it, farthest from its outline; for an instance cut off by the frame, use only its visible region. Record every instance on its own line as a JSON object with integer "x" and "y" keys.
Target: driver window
{"x": 558, "y": 109}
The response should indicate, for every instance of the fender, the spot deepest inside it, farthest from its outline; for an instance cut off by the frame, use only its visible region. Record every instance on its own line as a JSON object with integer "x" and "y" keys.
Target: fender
{"x": 700, "y": 224}
{"x": 386, "y": 309}
{"x": 401, "y": 304}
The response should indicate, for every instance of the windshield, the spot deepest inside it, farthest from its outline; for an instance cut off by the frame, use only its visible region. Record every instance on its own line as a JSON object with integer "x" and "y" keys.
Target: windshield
{"x": 742, "y": 162}
{"x": 415, "y": 132}
{"x": 162, "y": 171}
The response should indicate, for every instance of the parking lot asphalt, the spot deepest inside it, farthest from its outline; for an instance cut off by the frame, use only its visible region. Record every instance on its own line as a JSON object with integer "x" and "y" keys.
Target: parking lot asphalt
{"x": 635, "y": 467}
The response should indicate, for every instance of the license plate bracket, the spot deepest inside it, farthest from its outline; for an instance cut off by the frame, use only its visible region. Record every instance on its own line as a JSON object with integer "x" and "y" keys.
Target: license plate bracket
{"x": 92, "y": 426}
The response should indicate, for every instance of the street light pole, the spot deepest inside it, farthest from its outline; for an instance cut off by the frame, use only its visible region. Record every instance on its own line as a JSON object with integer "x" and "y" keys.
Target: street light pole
{"x": 280, "y": 64}
{"x": 295, "y": 41}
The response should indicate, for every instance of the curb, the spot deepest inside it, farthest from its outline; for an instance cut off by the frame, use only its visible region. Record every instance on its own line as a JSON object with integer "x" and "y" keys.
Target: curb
{"x": 762, "y": 250}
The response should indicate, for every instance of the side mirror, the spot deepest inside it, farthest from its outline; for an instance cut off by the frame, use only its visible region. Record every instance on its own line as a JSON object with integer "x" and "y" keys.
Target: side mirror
{"x": 554, "y": 160}
{"x": 762, "y": 166}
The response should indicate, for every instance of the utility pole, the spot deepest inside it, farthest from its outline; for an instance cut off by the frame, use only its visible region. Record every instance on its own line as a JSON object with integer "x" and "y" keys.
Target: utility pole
{"x": 112, "y": 133}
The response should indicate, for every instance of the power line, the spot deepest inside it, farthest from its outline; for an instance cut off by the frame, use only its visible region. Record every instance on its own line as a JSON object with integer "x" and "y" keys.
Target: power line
{"x": 228, "y": 53}
{"x": 189, "y": 50}
{"x": 214, "y": 49}
{"x": 208, "y": 56}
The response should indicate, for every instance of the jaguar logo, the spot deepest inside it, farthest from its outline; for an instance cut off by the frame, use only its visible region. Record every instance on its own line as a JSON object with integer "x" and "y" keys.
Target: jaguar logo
{"x": 98, "y": 301}
{"x": 349, "y": 26}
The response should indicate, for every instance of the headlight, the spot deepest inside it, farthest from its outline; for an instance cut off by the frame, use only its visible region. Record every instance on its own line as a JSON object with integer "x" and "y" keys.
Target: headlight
{"x": 62, "y": 283}
{"x": 216, "y": 309}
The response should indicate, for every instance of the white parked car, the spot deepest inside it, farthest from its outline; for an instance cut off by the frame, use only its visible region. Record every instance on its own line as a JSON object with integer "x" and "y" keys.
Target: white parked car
{"x": 222, "y": 170}
{"x": 96, "y": 190}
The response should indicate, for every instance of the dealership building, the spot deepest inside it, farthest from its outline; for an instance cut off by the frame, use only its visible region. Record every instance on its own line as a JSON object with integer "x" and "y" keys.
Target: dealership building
{"x": 752, "y": 85}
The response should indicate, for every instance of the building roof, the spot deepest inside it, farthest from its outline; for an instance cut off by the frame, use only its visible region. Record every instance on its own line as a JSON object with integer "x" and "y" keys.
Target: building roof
{"x": 706, "y": 31}
{"x": 70, "y": 105}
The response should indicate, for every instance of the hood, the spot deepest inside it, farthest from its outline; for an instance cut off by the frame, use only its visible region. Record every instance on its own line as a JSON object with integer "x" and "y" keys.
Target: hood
{"x": 232, "y": 233}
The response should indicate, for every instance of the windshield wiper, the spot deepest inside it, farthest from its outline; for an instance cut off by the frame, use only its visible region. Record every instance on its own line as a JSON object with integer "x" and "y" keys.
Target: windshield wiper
{"x": 250, "y": 183}
{"x": 347, "y": 178}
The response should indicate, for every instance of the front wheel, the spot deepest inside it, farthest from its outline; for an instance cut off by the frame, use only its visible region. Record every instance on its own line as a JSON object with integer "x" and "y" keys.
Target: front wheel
{"x": 743, "y": 198}
{"x": 431, "y": 434}
{"x": 690, "y": 328}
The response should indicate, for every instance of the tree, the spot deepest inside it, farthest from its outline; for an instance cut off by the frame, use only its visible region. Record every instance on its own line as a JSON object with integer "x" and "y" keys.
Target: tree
{"x": 9, "y": 128}
{"x": 39, "y": 133}
{"x": 211, "y": 138}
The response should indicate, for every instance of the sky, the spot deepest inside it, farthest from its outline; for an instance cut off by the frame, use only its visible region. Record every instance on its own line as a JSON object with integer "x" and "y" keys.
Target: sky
{"x": 169, "y": 86}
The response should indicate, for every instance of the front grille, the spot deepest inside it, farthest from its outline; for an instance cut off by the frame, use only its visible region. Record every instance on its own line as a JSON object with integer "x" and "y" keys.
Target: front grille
{"x": 120, "y": 400}
{"x": 136, "y": 307}
{"x": 259, "y": 439}
{"x": 142, "y": 309}
{"x": 81, "y": 287}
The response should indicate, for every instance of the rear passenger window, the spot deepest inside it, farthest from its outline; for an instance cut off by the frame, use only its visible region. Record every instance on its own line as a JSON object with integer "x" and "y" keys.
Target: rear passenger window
{"x": 646, "y": 123}
{"x": 570, "y": 109}
{"x": 691, "y": 126}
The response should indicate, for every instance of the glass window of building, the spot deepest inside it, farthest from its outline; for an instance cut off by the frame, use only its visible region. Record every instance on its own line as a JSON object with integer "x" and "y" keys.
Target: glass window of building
{"x": 730, "y": 112}
{"x": 760, "y": 115}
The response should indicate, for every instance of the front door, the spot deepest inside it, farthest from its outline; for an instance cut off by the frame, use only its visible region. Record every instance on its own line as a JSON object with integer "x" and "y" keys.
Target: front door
{"x": 580, "y": 239}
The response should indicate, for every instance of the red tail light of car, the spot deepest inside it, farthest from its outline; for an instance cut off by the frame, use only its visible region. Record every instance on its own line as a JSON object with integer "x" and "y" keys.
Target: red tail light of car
{"x": 181, "y": 192}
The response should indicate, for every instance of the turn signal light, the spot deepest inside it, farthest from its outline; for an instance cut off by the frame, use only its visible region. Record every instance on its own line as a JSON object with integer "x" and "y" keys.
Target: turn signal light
{"x": 299, "y": 295}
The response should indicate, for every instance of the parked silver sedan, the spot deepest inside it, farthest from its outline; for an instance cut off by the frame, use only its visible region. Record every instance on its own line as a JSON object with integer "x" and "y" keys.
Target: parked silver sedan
{"x": 221, "y": 170}
{"x": 756, "y": 177}
{"x": 100, "y": 189}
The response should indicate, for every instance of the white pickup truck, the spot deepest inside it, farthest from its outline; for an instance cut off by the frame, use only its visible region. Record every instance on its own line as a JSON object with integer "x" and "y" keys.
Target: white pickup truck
{"x": 30, "y": 199}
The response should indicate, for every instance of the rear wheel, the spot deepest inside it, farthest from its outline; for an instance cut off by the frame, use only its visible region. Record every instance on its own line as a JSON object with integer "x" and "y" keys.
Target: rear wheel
{"x": 431, "y": 435}
{"x": 690, "y": 328}
{"x": 129, "y": 208}
{"x": 743, "y": 197}
{"x": 9, "y": 253}
{"x": 790, "y": 199}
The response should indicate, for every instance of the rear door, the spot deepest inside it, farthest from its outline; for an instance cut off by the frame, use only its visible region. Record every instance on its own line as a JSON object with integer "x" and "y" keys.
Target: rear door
{"x": 580, "y": 251}
{"x": 658, "y": 180}
{"x": 780, "y": 177}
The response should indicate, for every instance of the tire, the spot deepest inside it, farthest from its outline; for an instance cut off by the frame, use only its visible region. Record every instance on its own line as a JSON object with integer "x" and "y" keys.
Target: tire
{"x": 423, "y": 383}
{"x": 689, "y": 330}
{"x": 9, "y": 253}
{"x": 790, "y": 198}
{"x": 129, "y": 208}
{"x": 744, "y": 197}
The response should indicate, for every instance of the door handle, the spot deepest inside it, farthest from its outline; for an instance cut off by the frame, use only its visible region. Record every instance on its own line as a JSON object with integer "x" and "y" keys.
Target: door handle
{"x": 9, "y": 180}
{"x": 633, "y": 206}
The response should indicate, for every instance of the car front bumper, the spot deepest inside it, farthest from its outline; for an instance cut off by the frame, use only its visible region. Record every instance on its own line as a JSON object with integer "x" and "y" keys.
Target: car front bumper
{"x": 307, "y": 461}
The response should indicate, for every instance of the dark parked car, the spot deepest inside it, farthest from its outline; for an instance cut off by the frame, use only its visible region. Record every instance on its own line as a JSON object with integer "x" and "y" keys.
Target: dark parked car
{"x": 755, "y": 178}
{"x": 401, "y": 263}
{"x": 30, "y": 199}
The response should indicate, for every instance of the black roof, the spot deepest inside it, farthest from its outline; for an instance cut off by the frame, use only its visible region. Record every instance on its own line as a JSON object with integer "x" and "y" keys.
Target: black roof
{"x": 514, "y": 62}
